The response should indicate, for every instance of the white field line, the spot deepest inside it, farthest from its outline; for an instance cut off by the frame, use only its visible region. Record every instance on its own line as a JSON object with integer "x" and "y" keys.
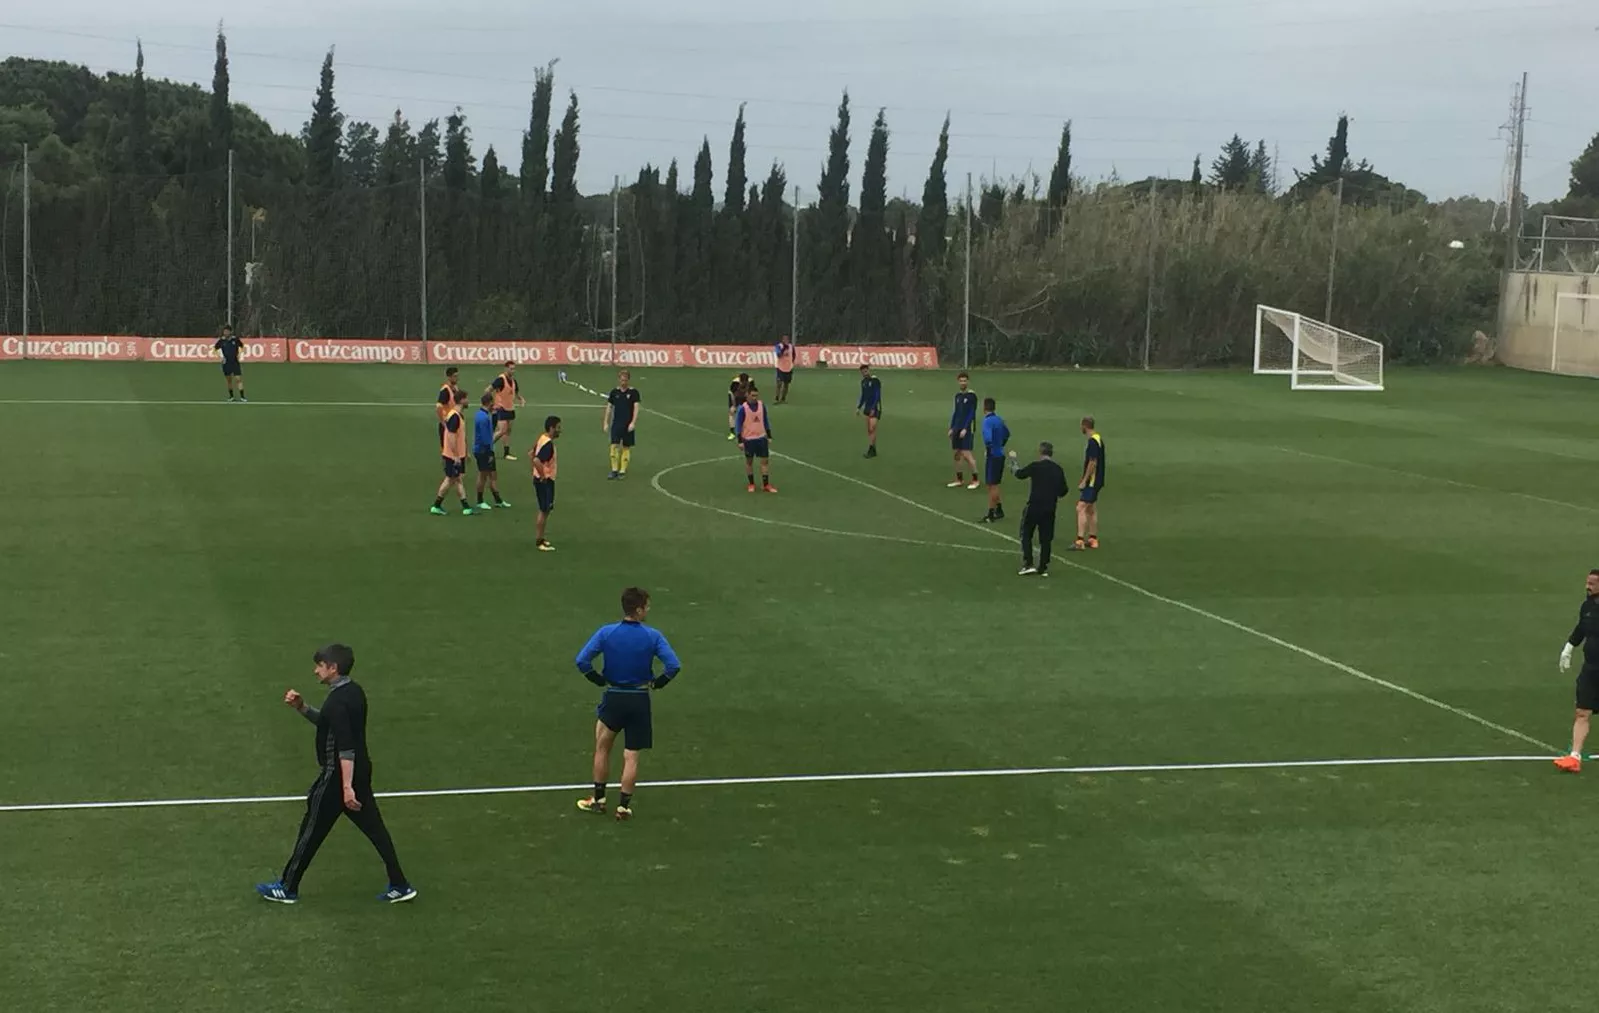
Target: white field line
{"x": 1442, "y": 481}
{"x": 1173, "y": 602}
{"x": 262, "y": 404}
{"x": 711, "y": 782}
{"x": 656, "y": 483}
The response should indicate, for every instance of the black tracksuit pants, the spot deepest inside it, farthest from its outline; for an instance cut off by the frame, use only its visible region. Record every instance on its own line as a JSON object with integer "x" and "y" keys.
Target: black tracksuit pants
{"x": 1039, "y": 520}
{"x": 324, "y": 804}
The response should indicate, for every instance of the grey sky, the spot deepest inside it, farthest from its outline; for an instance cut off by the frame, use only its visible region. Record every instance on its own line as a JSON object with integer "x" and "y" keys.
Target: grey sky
{"x": 1148, "y": 83}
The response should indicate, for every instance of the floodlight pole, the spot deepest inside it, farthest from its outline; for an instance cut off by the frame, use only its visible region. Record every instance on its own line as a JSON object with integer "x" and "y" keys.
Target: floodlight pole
{"x": 793, "y": 281}
{"x": 1332, "y": 258}
{"x": 27, "y": 245}
{"x": 616, "y": 197}
{"x": 229, "y": 320}
{"x": 422, "y": 212}
{"x": 966, "y": 317}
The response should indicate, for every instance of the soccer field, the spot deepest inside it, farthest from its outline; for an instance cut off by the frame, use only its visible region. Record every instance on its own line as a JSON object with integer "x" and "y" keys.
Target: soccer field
{"x": 1287, "y": 580}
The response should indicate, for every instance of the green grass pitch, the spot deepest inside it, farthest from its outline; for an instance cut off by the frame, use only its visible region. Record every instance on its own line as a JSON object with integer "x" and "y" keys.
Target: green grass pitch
{"x": 171, "y": 562}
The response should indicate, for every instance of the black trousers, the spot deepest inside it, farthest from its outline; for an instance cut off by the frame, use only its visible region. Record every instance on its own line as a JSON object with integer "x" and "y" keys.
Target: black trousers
{"x": 1042, "y": 521}
{"x": 324, "y": 804}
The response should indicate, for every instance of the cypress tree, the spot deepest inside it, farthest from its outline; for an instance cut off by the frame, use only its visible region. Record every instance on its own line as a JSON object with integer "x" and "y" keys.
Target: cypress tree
{"x": 427, "y": 150}
{"x": 221, "y": 107}
{"x": 1060, "y": 181}
{"x": 535, "y": 171}
{"x": 324, "y": 134}
{"x": 361, "y": 147}
{"x": 397, "y": 155}
{"x": 829, "y": 239}
{"x": 932, "y": 224}
{"x": 489, "y": 181}
{"x": 458, "y": 161}
{"x": 1196, "y": 182}
{"x": 736, "y": 177}
{"x": 565, "y": 231}
{"x": 139, "y": 157}
{"x": 1260, "y": 170}
{"x": 871, "y": 250}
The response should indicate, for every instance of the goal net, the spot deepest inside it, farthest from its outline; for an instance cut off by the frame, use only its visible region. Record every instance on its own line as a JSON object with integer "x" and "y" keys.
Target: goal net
{"x": 1575, "y": 346}
{"x": 1314, "y": 355}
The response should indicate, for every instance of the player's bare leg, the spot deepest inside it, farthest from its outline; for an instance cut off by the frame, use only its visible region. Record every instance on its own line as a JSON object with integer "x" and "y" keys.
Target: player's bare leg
{"x": 996, "y": 510}
{"x": 538, "y": 526}
{"x": 604, "y": 738}
{"x": 871, "y": 436}
{"x": 1091, "y": 523}
{"x": 766, "y": 475}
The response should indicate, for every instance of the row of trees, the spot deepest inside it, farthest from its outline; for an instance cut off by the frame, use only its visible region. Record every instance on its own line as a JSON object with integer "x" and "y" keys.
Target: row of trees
{"x": 333, "y": 229}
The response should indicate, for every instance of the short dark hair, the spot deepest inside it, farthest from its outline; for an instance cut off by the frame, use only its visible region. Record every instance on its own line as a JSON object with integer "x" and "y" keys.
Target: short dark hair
{"x": 486, "y": 400}
{"x": 743, "y": 376}
{"x": 865, "y": 367}
{"x": 963, "y": 375}
{"x": 227, "y": 327}
{"x": 509, "y": 363}
{"x": 551, "y": 421}
{"x": 1047, "y": 449}
{"x": 460, "y": 397}
{"x": 451, "y": 371}
{"x": 339, "y": 656}
{"x": 633, "y": 599}
{"x": 988, "y": 404}
{"x": 1594, "y": 572}
{"x": 1088, "y": 420}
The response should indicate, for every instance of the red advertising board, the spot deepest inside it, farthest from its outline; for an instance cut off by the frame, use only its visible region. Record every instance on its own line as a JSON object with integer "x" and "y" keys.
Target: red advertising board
{"x": 465, "y": 353}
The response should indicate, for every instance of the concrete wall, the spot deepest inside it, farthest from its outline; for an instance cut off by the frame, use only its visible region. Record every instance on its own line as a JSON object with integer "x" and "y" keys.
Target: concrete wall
{"x": 1527, "y": 323}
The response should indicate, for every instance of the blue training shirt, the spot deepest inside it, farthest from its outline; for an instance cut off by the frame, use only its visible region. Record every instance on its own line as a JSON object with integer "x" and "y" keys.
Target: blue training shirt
{"x": 482, "y": 432}
{"x": 965, "y": 411}
{"x": 995, "y": 435}
{"x": 630, "y": 649}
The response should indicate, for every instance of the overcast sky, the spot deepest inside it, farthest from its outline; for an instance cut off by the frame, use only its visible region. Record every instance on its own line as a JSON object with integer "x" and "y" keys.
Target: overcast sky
{"x": 1148, "y": 83}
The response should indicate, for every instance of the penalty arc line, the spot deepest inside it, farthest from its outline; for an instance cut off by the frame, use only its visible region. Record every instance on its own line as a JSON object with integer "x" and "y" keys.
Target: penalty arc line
{"x": 712, "y": 782}
{"x": 1304, "y": 652}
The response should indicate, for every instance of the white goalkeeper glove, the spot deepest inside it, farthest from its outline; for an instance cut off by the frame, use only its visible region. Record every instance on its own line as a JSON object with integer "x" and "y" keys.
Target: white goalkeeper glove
{"x": 1565, "y": 658}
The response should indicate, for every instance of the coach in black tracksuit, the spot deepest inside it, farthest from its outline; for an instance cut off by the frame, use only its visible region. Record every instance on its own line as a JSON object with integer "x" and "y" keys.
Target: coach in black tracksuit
{"x": 344, "y": 786}
{"x": 1047, "y": 490}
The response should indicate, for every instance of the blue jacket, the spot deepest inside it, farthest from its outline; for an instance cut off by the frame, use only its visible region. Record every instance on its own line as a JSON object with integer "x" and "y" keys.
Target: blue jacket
{"x": 482, "y": 432}
{"x": 630, "y": 650}
{"x": 995, "y": 435}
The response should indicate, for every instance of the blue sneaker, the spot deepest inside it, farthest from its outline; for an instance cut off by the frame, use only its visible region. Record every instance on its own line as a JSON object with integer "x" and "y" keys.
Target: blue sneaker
{"x": 277, "y": 893}
{"x": 397, "y": 894}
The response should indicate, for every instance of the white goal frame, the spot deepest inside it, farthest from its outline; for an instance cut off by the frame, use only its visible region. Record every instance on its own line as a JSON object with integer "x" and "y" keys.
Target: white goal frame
{"x": 1314, "y": 355}
{"x": 1591, "y": 311}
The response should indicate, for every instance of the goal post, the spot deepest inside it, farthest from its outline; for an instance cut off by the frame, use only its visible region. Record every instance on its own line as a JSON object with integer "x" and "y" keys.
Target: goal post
{"x": 1314, "y": 355}
{"x": 1574, "y": 346}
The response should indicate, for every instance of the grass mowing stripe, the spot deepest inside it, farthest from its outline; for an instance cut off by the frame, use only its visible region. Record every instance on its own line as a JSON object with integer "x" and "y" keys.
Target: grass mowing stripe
{"x": 655, "y": 482}
{"x": 1434, "y": 478}
{"x": 1174, "y": 602}
{"x": 897, "y": 775}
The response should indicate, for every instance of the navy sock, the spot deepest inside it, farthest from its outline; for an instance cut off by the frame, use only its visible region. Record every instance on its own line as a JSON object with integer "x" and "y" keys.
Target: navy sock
{"x": 626, "y": 800}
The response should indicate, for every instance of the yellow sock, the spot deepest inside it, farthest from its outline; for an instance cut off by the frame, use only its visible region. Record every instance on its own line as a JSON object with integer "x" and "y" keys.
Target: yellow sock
{"x": 627, "y": 455}
{"x": 615, "y": 453}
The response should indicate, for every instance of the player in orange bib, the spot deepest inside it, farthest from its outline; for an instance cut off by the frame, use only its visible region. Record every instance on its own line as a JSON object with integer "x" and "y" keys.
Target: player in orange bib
{"x": 754, "y": 438}
{"x": 507, "y": 398}
{"x": 543, "y": 461}
{"x": 452, "y": 448}
{"x": 783, "y": 352}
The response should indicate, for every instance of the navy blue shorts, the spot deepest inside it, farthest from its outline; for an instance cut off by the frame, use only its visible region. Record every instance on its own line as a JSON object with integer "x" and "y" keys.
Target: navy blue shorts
{"x": 787, "y": 377}
{"x": 454, "y": 467}
{"x": 1089, "y": 495}
{"x": 232, "y": 369}
{"x": 959, "y": 442}
{"x": 757, "y": 448}
{"x": 504, "y": 415}
{"x": 624, "y": 436}
{"x": 545, "y": 492}
{"x": 629, "y": 714}
{"x": 486, "y": 461}
{"x": 994, "y": 470}
{"x": 873, "y": 413}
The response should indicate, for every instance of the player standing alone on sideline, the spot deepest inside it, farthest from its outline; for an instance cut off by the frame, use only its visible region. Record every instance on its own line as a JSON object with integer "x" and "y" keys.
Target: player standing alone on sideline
{"x": 871, "y": 406}
{"x": 783, "y": 351}
{"x": 995, "y": 435}
{"x": 232, "y": 372}
{"x": 344, "y": 787}
{"x": 543, "y": 461}
{"x": 452, "y": 449}
{"x": 507, "y": 398}
{"x": 1047, "y": 490}
{"x": 483, "y": 452}
{"x": 1586, "y": 634}
{"x": 961, "y": 424}
{"x": 621, "y": 418}
{"x": 737, "y": 391}
{"x": 754, "y": 438}
{"x": 1089, "y": 488}
{"x": 630, "y": 649}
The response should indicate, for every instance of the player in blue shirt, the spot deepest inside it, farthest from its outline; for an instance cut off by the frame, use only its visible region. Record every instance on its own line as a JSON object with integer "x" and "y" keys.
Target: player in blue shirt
{"x": 871, "y": 406}
{"x": 961, "y": 424}
{"x": 630, "y": 649}
{"x": 232, "y": 373}
{"x": 483, "y": 451}
{"x": 995, "y": 435}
